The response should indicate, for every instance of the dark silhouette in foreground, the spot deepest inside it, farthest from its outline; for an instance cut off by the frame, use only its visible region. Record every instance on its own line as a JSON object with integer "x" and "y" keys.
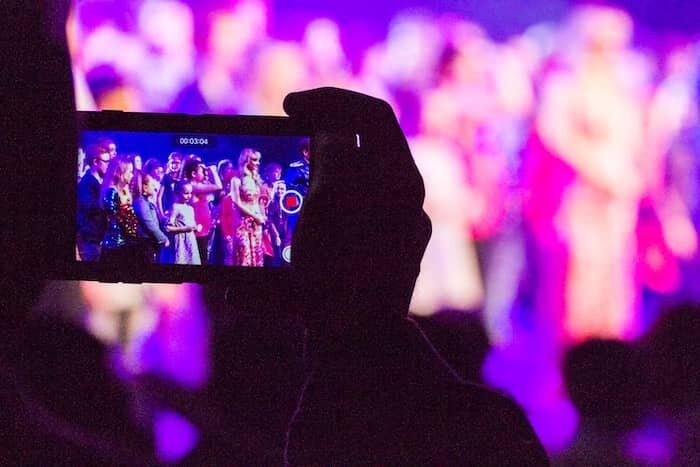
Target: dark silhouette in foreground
{"x": 60, "y": 404}
{"x": 376, "y": 392}
{"x": 461, "y": 339}
{"x": 373, "y": 390}
{"x": 671, "y": 352}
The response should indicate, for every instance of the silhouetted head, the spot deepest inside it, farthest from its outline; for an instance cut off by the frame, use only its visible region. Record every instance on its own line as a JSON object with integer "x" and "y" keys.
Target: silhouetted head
{"x": 602, "y": 379}
{"x": 362, "y": 231}
{"x": 460, "y": 337}
{"x": 672, "y": 358}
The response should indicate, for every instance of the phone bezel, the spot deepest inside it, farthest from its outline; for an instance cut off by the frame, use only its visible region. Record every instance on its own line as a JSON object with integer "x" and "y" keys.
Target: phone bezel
{"x": 71, "y": 268}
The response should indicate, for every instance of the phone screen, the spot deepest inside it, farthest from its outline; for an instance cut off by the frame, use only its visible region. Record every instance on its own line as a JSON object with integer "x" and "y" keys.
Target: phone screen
{"x": 191, "y": 199}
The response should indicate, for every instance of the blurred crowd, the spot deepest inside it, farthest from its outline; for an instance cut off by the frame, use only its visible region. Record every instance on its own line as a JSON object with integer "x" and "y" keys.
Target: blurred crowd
{"x": 562, "y": 166}
{"x": 636, "y": 402}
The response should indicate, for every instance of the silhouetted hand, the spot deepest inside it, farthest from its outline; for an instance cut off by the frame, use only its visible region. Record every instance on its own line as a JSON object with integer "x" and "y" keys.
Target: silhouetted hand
{"x": 375, "y": 393}
{"x": 362, "y": 231}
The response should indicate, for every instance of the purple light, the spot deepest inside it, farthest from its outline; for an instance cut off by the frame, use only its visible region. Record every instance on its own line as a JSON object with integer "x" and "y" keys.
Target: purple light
{"x": 175, "y": 436}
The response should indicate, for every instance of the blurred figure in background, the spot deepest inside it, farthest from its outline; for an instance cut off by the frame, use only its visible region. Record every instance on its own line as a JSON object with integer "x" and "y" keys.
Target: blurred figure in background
{"x": 684, "y": 174}
{"x": 167, "y": 71}
{"x": 449, "y": 276}
{"x": 667, "y": 234}
{"x": 492, "y": 89}
{"x": 109, "y": 55}
{"x": 407, "y": 63}
{"x": 75, "y": 33}
{"x": 229, "y": 39}
{"x": 591, "y": 122}
{"x": 112, "y": 91}
{"x": 328, "y": 65}
{"x": 278, "y": 68}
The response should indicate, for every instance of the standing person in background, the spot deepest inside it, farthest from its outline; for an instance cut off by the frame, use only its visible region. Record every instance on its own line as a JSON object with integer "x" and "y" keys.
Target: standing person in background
{"x": 91, "y": 218}
{"x": 297, "y": 174}
{"x": 110, "y": 145}
{"x": 666, "y": 233}
{"x": 591, "y": 121}
{"x": 248, "y": 217}
{"x": 272, "y": 172}
{"x": 205, "y": 183}
{"x": 226, "y": 171}
{"x": 166, "y": 193}
{"x": 119, "y": 244}
{"x": 166, "y": 197}
{"x": 183, "y": 226}
{"x": 152, "y": 238}
{"x": 154, "y": 168}
{"x": 138, "y": 162}
{"x": 83, "y": 166}
{"x": 276, "y": 224}
{"x": 296, "y": 177}
{"x": 449, "y": 276}
{"x": 227, "y": 218}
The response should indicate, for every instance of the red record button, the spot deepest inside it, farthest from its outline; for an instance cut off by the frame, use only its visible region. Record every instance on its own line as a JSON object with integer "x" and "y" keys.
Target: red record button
{"x": 291, "y": 202}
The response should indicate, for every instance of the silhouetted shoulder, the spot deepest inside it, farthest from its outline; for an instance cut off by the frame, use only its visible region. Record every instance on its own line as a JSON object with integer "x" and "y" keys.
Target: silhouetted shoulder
{"x": 402, "y": 407}
{"x": 489, "y": 427}
{"x": 60, "y": 404}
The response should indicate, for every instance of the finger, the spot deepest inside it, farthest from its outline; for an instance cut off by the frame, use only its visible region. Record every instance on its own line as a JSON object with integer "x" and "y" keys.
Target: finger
{"x": 356, "y": 137}
{"x": 332, "y": 108}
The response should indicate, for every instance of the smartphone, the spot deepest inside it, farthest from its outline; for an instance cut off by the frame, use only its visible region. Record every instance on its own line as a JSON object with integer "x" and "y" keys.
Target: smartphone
{"x": 185, "y": 198}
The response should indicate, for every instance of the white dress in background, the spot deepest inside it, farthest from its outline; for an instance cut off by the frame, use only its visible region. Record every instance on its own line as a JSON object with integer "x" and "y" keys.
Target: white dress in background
{"x": 449, "y": 275}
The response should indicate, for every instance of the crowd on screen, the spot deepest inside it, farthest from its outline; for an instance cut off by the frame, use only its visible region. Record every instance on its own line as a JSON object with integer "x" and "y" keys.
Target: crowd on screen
{"x": 231, "y": 213}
